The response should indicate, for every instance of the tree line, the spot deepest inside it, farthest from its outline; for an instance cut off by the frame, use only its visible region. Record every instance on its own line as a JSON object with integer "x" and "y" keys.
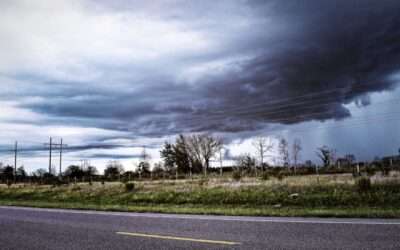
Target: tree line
{"x": 192, "y": 155}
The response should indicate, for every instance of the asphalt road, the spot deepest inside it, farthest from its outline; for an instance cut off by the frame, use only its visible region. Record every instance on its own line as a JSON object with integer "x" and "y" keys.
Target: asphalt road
{"x": 27, "y": 228}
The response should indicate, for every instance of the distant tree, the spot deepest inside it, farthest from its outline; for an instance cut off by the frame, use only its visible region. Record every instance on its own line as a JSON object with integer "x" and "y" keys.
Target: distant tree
{"x": 168, "y": 155}
{"x": 113, "y": 170}
{"x": 262, "y": 145}
{"x": 284, "y": 152}
{"x": 74, "y": 171}
{"x": 89, "y": 172}
{"x": 145, "y": 157}
{"x": 296, "y": 152}
{"x": 129, "y": 175}
{"x": 40, "y": 172}
{"x": 8, "y": 173}
{"x": 324, "y": 153}
{"x": 143, "y": 168}
{"x": 184, "y": 162}
{"x": 308, "y": 164}
{"x": 202, "y": 147}
{"x": 21, "y": 173}
{"x": 158, "y": 169}
{"x": 245, "y": 162}
{"x": 350, "y": 158}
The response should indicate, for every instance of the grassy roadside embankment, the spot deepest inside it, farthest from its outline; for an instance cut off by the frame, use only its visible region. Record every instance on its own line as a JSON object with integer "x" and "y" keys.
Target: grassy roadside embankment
{"x": 334, "y": 196}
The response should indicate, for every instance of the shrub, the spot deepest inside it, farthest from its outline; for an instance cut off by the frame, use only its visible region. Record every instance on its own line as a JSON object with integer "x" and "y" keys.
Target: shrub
{"x": 280, "y": 176}
{"x": 363, "y": 184}
{"x": 203, "y": 181}
{"x": 370, "y": 171}
{"x": 385, "y": 171}
{"x": 265, "y": 176}
{"x": 356, "y": 174}
{"x": 237, "y": 175}
{"x": 129, "y": 186}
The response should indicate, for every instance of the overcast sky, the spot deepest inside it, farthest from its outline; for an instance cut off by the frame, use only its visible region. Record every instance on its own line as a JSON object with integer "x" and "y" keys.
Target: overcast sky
{"x": 113, "y": 76}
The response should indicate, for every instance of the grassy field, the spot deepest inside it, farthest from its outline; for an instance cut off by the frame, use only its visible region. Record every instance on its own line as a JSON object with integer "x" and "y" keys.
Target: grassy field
{"x": 324, "y": 196}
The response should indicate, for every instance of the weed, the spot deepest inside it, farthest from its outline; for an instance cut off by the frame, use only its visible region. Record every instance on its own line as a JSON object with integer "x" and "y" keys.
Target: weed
{"x": 129, "y": 186}
{"x": 237, "y": 175}
{"x": 265, "y": 176}
{"x": 363, "y": 184}
{"x": 280, "y": 176}
{"x": 203, "y": 181}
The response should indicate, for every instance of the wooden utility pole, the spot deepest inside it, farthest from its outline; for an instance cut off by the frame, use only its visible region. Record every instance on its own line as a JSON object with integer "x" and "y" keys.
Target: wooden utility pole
{"x": 15, "y": 161}
{"x": 220, "y": 161}
{"x": 50, "y": 148}
{"x": 61, "y": 151}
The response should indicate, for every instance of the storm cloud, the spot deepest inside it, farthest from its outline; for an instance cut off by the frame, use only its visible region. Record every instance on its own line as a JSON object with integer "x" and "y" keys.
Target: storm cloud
{"x": 320, "y": 56}
{"x": 153, "y": 70}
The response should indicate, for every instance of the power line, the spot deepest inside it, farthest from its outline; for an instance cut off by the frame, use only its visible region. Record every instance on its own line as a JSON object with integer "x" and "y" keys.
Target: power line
{"x": 248, "y": 115}
{"x": 355, "y": 86}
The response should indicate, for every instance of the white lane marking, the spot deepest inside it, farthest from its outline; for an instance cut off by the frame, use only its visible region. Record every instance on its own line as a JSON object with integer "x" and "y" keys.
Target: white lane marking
{"x": 215, "y": 218}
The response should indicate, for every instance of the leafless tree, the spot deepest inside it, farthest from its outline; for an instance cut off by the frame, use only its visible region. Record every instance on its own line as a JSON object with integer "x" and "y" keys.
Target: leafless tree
{"x": 296, "y": 152}
{"x": 245, "y": 162}
{"x": 263, "y": 145}
{"x": 284, "y": 152}
{"x": 325, "y": 154}
{"x": 145, "y": 157}
{"x": 203, "y": 147}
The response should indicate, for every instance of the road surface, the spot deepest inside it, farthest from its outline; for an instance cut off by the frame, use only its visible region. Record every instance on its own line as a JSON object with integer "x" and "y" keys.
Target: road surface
{"x": 30, "y": 228}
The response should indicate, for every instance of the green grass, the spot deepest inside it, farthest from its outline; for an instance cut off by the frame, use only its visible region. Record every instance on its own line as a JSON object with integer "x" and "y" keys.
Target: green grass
{"x": 339, "y": 212}
{"x": 337, "y": 199}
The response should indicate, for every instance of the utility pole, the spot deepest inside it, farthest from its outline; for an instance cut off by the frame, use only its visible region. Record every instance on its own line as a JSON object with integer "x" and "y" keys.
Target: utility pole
{"x": 15, "y": 161}
{"x": 50, "y": 148}
{"x": 61, "y": 151}
{"x": 61, "y": 146}
{"x": 220, "y": 161}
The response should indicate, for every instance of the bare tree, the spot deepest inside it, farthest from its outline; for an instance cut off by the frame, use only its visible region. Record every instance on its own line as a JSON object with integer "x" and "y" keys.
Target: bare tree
{"x": 324, "y": 153}
{"x": 350, "y": 159}
{"x": 245, "y": 162}
{"x": 145, "y": 157}
{"x": 284, "y": 152}
{"x": 203, "y": 147}
{"x": 296, "y": 152}
{"x": 262, "y": 145}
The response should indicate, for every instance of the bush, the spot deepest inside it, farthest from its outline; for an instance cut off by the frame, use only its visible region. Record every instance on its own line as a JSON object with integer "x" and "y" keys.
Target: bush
{"x": 76, "y": 188}
{"x": 265, "y": 176}
{"x": 385, "y": 171}
{"x": 370, "y": 171}
{"x": 129, "y": 186}
{"x": 237, "y": 175}
{"x": 203, "y": 181}
{"x": 280, "y": 176}
{"x": 363, "y": 184}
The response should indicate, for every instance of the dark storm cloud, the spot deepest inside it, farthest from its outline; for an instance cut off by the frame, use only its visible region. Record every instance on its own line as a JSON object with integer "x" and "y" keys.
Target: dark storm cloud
{"x": 321, "y": 55}
{"x": 340, "y": 52}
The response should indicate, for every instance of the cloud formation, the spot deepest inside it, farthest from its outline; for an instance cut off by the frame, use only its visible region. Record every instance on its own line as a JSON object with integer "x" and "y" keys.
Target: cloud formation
{"x": 156, "y": 69}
